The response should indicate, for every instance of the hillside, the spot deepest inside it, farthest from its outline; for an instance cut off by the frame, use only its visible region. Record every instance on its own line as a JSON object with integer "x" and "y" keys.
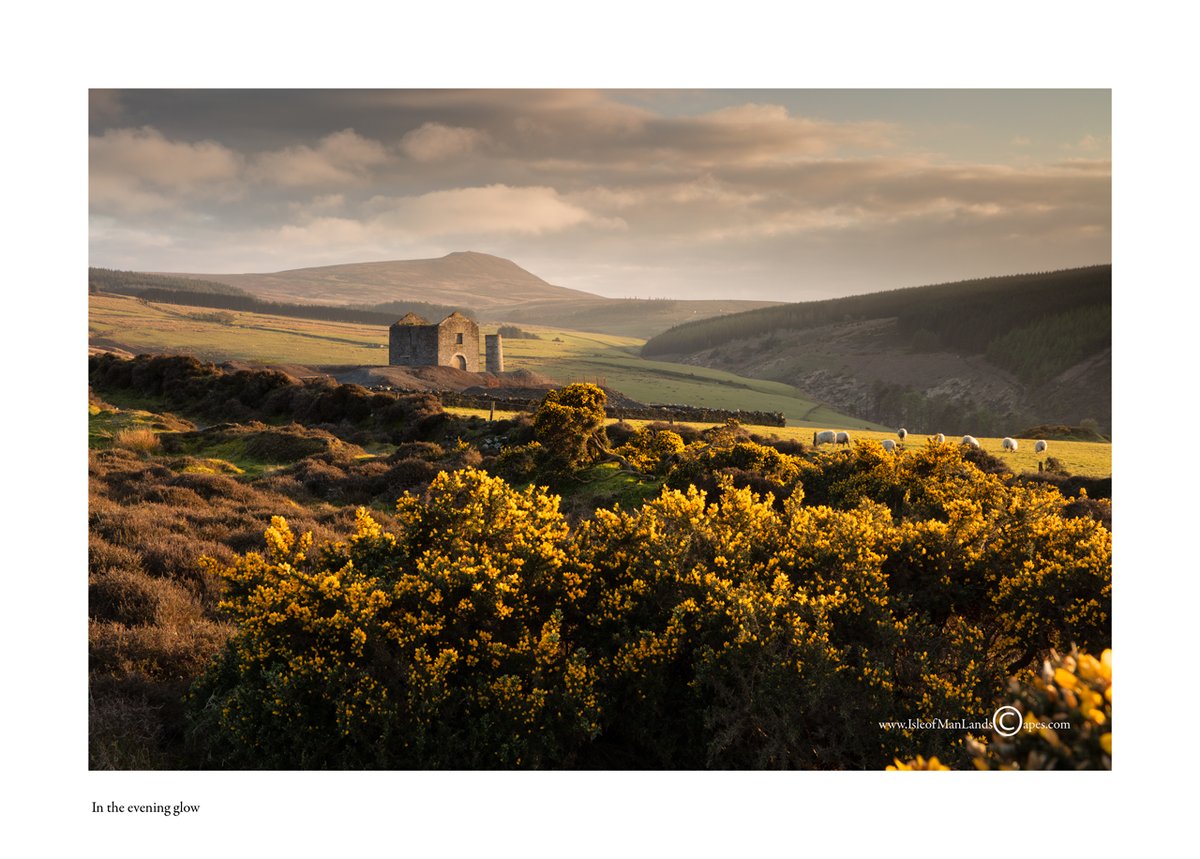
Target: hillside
{"x": 485, "y": 286}
{"x": 977, "y": 356}
{"x": 129, "y": 325}
{"x": 628, "y": 317}
{"x": 480, "y": 281}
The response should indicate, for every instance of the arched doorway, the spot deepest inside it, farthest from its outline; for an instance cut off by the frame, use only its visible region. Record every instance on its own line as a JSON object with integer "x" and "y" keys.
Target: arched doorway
{"x": 460, "y": 362}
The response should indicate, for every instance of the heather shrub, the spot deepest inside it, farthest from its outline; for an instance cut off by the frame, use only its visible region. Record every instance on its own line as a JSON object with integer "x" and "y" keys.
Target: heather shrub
{"x": 408, "y": 474}
{"x": 426, "y": 450}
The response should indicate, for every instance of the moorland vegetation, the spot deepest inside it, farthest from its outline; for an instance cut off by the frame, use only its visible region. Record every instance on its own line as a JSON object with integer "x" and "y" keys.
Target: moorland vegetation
{"x": 310, "y": 575}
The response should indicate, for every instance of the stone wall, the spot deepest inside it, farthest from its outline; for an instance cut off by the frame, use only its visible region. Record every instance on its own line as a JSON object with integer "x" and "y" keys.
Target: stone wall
{"x": 413, "y": 345}
{"x": 458, "y": 343}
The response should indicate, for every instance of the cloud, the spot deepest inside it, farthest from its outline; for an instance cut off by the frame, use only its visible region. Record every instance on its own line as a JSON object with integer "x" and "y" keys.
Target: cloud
{"x": 752, "y": 132}
{"x": 435, "y": 142}
{"x": 344, "y": 157}
{"x": 138, "y": 170}
{"x": 319, "y": 206}
{"x": 104, "y": 106}
{"x": 1089, "y": 143}
{"x": 594, "y": 181}
{"x": 492, "y": 209}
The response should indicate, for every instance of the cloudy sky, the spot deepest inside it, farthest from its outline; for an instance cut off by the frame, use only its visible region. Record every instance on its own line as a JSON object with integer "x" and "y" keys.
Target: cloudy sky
{"x": 773, "y": 194}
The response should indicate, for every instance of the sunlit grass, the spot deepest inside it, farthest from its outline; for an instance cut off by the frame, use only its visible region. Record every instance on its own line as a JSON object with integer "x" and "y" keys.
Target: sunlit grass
{"x": 564, "y": 356}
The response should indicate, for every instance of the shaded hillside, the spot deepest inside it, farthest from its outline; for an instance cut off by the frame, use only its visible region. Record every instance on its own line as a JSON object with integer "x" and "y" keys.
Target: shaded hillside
{"x": 628, "y": 317}
{"x": 977, "y": 356}
{"x": 383, "y": 314}
{"x": 476, "y": 280}
{"x": 138, "y": 282}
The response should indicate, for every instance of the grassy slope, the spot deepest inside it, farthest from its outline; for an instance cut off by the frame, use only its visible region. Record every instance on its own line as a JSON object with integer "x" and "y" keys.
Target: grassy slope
{"x": 576, "y": 357}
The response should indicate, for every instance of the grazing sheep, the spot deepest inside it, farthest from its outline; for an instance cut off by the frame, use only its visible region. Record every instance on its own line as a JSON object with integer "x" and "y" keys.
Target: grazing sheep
{"x": 970, "y": 440}
{"x": 1008, "y": 443}
{"x": 1039, "y": 446}
{"x": 903, "y": 433}
{"x": 940, "y": 438}
{"x": 842, "y": 438}
{"x": 889, "y": 445}
{"x": 826, "y": 437}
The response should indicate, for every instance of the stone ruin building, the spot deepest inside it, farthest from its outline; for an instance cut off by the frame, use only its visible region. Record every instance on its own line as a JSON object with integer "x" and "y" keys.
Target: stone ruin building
{"x": 453, "y": 342}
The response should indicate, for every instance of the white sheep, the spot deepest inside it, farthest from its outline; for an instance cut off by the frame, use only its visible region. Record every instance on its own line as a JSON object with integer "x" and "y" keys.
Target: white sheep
{"x": 889, "y": 445}
{"x": 970, "y": 440}
{"x": 1039, "y": 446}
{"x": 825, "y": 437}
{"x": 940, "y": 438}
{"x": 842, "y": 438}
{"x": 903, "y": 433}
{"x": 1008, "y": 443}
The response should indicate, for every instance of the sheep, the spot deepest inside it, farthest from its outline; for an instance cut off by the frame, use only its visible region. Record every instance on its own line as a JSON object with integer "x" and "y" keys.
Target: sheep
{"x": 1039, "y": 446}
{"x": 825, "y": 437}
{"x": 970, "y": 440}
{"x": 842, "y": 438}
{"x": 940, "y": 438}
{"x": 889, "y": 445}
{"x": 1008, "y": 443}
{"x": 903, "y": 433}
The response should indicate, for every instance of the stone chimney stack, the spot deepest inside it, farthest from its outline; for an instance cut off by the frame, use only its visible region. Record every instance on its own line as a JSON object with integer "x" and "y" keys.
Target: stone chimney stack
{"x": 494, "y": 348}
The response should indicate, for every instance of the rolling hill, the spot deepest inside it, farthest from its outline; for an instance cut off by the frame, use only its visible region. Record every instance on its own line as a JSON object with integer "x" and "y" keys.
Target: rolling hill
{"x": 479, "y": 281}
{"x": 129, "y": 325}
{"x": 984, "y": 356}
{"x": 489, "y": 287}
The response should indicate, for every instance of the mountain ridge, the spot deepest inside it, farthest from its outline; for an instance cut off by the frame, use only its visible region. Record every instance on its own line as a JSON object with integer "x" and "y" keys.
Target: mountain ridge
{"x": 479, "y": 280}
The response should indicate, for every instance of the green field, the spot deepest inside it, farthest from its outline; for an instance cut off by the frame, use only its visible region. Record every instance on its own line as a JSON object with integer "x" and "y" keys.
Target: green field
{"x": 142, "y": 327}
{"x": 565, "y": 356}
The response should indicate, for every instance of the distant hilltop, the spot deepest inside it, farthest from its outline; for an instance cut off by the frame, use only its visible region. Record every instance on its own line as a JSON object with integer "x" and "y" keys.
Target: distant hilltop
{"x": 464, "y": 278}
{"x": 480, "y": 285}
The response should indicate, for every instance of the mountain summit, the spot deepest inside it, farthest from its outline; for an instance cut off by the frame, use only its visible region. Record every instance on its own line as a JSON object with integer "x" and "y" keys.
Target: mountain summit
{"x": 464, "y": 278}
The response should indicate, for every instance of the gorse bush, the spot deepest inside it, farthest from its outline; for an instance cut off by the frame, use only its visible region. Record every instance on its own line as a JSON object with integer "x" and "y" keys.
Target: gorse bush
{"x": 650, "y": 450}
{"x": 569, "y": 425}
{"x": 721, "y": 629}
{"x": 1066, "y": 718}
{"x": 1060, "y": 719}
{"x": 442, "y": 646}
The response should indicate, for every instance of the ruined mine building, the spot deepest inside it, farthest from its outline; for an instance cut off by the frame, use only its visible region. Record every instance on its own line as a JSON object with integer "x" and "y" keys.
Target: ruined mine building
{"x": 453, "y": 342}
